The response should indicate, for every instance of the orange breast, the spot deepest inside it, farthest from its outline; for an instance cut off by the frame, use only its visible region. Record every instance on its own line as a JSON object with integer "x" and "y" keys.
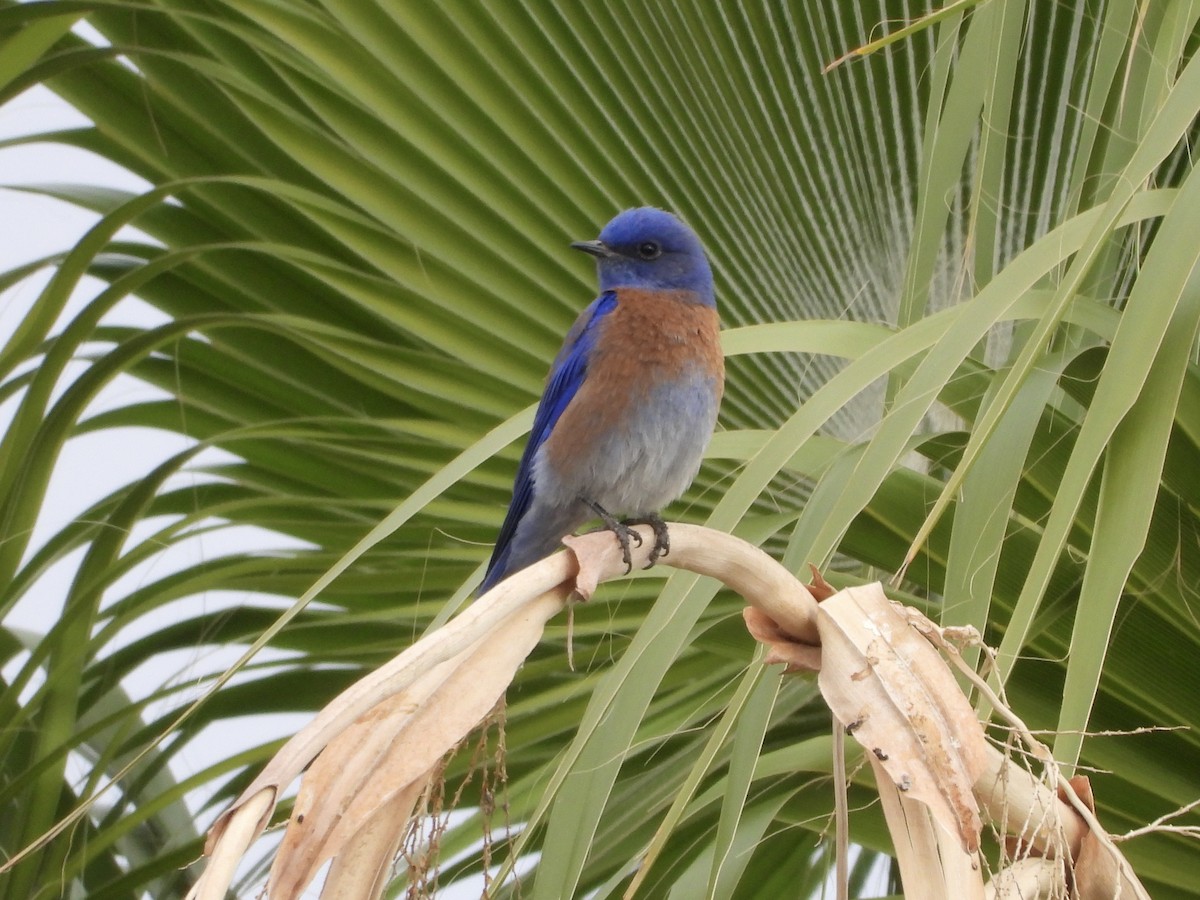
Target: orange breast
{"x": 651, "y": 338}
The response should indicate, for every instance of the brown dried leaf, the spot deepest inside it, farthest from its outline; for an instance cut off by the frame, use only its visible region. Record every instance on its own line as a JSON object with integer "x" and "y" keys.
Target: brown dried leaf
{"x": 518, "y": 593}
{"x": 895, "y": 695}
{"x": 1102, "y": 873}
{"x": 1082, "y": 786}
{"x": 389, "y": 751}
{"x": 346, "y": 768}
{"x": 819, "y": 587}
{"x": 363, "y": 869}
{"x": 782, "y": 648}
{"x": 933, "y": 863}
{"x": 1101, "y": 870}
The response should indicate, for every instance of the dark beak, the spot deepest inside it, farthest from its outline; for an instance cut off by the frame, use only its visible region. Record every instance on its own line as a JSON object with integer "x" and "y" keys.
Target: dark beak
{"x": 595, "y": 248}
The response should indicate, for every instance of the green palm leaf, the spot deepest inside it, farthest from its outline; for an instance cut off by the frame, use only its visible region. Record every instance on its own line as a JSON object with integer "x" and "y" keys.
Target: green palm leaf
{"x": 956, "y": 277}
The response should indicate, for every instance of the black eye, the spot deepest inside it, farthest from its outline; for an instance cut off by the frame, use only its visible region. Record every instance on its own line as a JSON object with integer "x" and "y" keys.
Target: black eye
{"x": 649, "y": 250}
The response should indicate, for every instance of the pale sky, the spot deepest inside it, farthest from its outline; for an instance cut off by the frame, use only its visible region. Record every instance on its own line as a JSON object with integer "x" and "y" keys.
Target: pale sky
{"x": 93, "y": 465}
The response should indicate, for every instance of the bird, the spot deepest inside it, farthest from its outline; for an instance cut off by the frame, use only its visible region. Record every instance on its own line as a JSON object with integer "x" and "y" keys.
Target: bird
{"x": 631, "y": 399}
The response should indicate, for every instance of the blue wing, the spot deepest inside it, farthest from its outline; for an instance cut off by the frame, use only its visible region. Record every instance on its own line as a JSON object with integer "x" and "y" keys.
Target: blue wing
{"x": 567, "y": 373}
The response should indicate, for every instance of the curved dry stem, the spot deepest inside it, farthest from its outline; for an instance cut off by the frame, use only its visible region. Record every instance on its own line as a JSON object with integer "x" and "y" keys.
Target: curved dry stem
{"x": 890, "y": 688}
{"x": 756, "y": 577}
{"x": 243, "y": 825}
{"x": 392, "y": 694}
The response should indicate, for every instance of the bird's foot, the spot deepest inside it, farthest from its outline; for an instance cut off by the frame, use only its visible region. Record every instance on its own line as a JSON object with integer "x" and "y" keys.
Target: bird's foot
{"x": 662, "y": 538}
{"x": 621, "y": 530}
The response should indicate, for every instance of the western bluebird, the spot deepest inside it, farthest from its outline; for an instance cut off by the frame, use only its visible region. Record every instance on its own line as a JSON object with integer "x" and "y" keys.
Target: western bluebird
{"x": 631, "y": 399}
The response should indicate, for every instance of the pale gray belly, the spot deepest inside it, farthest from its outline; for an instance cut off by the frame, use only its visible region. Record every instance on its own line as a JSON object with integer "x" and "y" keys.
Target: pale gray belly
{"x": 647, "y": 461}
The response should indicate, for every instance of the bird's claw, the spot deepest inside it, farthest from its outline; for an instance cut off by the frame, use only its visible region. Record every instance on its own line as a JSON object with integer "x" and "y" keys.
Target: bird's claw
{"x": 624, "y": 533}
{"x": 662, "y": 538}
{"x": 620, "y": 530}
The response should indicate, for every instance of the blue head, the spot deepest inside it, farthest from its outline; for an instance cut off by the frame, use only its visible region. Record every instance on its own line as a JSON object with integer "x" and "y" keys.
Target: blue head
{"x": 652, "y": 249}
